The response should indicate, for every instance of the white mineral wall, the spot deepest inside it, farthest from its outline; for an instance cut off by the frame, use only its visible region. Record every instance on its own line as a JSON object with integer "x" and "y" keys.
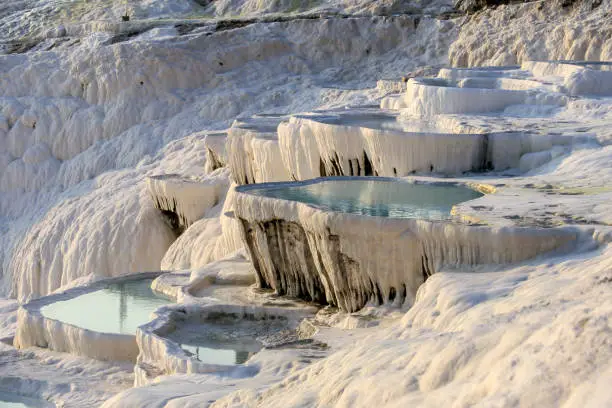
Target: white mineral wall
{"x": 544, "y": 69}
{"x": 423, "y": 99}
{"x": 268, "y": 162}
{"x": 519, "y": 149}
{"x": 207, "y": 240}
{"x": 538, "y": 31}
{"x": 577, "y": 79}
{"x": 386, "y": 86}
{"x": 34, "y": 330}
{"x": 309, "y": 147}
{"x": 230, "y": 241}
{"x": 240, "y": 155}
{"x": 254, "y": 156}
{"x": 511, "y": 84}
{"x": 194, "y": 247}
{"x": 83, "y": 237}
{"x": 590, "y": 82}
{"x": 189, "y": 199}
{"x": 393, "y": 102}
{"x": 325, "y": 256}
{"x": 456, "y": 74}
{"x": 299, "y": 150}
{"x": 216, "y": 156}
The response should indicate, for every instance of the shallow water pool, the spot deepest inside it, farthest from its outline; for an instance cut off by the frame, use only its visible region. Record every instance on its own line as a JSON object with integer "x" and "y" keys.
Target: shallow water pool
{"x": 119, "y": 308}
{"x": 225, "y": 354}
{"x": 9, "y": 400}
{"x": 380, "y": 198}
{"x": 224, "y": 341}
{"x": 380, "y": 121}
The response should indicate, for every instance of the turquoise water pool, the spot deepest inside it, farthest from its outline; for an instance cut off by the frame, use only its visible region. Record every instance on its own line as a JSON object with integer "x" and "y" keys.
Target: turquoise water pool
{"x": 119, "y": 308}
{"x": 379, "y": 121}
{"x": 375, "y": 197}
{"x": 9, "y": 400}
{"x": 221, "y": 353}
{"x": 223, "y": 340}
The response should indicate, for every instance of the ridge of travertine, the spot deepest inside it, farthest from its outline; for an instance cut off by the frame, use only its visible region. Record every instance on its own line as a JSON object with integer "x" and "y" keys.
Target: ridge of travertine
{"x": 92, "y": 107}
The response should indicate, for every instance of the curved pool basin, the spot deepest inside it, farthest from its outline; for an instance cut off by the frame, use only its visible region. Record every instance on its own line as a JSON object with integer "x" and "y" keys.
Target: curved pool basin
{"x": 119, "y": 308}
{"x": 375, "y": 197}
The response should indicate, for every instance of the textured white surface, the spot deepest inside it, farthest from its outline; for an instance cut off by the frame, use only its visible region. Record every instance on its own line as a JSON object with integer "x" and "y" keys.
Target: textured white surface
{"x": 427, "y": 99}
{"x": 189, "y": 199}
{"x": 340, "y": 142}
{"x": 537, "y": 31}
{"x": 83, "y": 126}
{"x": 253, "y": 151}
{"x": 207, "y": 240}
{"x": 472, "y": 339}
{"x": 83, "y": 122}
{"x": 398, "y": 253}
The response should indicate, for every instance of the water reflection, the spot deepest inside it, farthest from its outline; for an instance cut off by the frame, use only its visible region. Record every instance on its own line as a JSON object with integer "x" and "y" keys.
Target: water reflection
{"x": 377, "y": 198}
{"x": 119, "y": 308}
{"x": 380, "y": 121}
{"x": 221, "y": 356}
{"x": 224, "y": 340}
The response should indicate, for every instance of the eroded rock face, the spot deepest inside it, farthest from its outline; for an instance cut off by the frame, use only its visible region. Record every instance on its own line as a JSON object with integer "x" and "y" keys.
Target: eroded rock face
{"x": 587, "y": 4}
{"x": 253, "y": 150}
{"x": 349, "y": 261}
{"x": 183, "y": 201}
{"x": 372, "y": 143}
{"x": 472, "y": 6}
{"x": 313, "y": 266}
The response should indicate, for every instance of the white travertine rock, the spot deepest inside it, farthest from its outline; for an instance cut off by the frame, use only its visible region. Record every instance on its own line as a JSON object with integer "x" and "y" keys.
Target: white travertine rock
{"x": 216, "y": 156}
{"x": 393, "y": 102}
{"x": 387, "y": 86}
{"x": 304, "y": 251}
{"x": 371, "y": 142}
{"x": 113, "y": 103}
{"x": 186, "y": 198}
{"x": 230, "y": 239}
{"x": 426, "y": 97}
{"x": 257, "y": 7}
{"x": 207, "y": 240}
{"x": 199, "y": 305}
{"x": 579, "y": 78}
{"x": 82, "y": 237}
{"x": 253, "y": 150}
{"x": 536, "y": 31}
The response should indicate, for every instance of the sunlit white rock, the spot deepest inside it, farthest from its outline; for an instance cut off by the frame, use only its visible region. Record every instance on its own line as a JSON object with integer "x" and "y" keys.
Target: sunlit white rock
{"x": 188, "y": 200}
{"x": 311, "y": 252}
{"x": 253, "y": 150}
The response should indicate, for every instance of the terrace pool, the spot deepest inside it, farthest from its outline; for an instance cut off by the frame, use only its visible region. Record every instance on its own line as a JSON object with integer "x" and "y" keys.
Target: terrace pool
{"x": 119, "y": 308}
{"x": 381, "y": 198}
